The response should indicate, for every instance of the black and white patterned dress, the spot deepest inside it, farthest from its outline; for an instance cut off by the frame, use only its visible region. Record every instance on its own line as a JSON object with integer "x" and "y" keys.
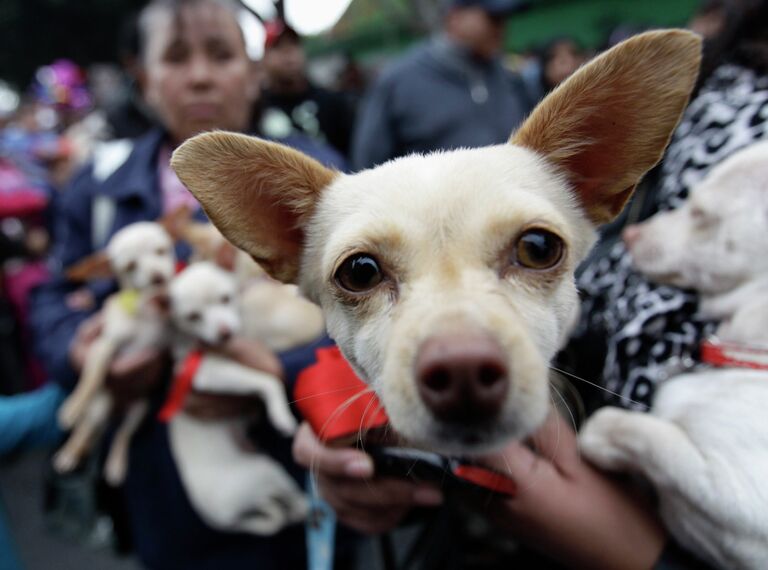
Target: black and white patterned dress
{"x": 648, "y": 326}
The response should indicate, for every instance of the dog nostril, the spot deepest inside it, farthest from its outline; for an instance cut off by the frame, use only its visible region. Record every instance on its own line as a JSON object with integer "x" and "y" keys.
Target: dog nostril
{"x": 437, "y": 379}
{"x": 490, "y": 375}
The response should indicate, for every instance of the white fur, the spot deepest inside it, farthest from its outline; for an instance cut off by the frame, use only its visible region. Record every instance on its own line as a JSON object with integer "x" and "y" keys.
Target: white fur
{"x": 142, "y": 258}
{"x": 704, "y": 445}
{"x": 448, "y": 273}
{"x": 232, "y": 489}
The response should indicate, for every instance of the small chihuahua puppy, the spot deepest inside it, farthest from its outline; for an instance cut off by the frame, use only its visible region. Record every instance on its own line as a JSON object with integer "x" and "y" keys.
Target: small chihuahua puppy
{"x": 231, "y": 488}
{"x": 704, "y": 444}
{"x": 142, "y": 259}
{"x": 447, "y": 279}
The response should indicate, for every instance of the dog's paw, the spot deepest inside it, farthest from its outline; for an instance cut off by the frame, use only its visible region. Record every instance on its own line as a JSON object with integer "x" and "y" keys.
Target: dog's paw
{"x": 115, "y": 470}
{"x": 601, "y": 440}
{"x": 284, "y": 422}
{"x": 69, "y": 413}
{"x": 64, "y": 462}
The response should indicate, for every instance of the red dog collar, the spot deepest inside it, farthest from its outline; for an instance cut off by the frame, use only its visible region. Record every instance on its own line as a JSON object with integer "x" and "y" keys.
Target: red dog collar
{"x": 181, "y": 386}
{"x": 731, "y": 355}
{"x": 334, "y": 401}
{"x": 340, "y": 407}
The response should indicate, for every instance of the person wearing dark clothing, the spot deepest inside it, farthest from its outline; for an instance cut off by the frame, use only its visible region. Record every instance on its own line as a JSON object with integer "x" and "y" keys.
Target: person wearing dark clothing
{"x": 290, "y": 102}
{"x": 447, "y": 93}
{"x": 198, "y": 78}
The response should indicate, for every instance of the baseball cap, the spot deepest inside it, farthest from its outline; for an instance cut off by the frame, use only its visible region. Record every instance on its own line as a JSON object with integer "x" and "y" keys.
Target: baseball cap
{"x": 275, "y": 30}
{"x": 493, "y": 7}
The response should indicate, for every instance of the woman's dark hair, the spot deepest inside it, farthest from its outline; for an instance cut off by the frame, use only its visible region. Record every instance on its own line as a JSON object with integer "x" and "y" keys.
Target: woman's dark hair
{"x": 173, "y": 7}
{"x": 743, "y": 40}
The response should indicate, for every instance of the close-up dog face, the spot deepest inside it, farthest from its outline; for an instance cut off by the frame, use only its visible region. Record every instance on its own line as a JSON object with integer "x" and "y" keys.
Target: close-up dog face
{"x": 717, "y": 239}
{"x": 204, "y": 303}
{"x": 449, "y": 288}
{"x": 142, "y": 256}
{"x": 447, "y": 279}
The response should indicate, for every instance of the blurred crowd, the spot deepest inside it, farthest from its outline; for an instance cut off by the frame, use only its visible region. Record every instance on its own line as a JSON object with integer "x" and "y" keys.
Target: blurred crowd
{"x": 85, "y": 152}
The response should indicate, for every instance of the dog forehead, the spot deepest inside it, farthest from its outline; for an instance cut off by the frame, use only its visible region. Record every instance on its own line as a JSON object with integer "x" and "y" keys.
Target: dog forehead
{"x": 201, "y": 281}
{"x": 137, "y": 239}
{"x": 461, "y": 192}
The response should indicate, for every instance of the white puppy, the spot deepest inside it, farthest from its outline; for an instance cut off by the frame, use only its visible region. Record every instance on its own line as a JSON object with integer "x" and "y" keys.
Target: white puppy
{"x": 232, "y": 489}
{"x": 447, "y": 279}
{"x": 142, "y": 259}
{"x": 705, "y": 443}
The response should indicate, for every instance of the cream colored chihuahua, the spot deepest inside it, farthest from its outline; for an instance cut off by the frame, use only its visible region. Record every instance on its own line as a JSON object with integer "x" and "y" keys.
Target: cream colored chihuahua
{"x": 447, "y": 279}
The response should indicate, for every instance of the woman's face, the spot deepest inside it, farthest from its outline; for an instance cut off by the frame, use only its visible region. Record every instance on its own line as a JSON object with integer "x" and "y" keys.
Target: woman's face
{"x": 197, "y": 75}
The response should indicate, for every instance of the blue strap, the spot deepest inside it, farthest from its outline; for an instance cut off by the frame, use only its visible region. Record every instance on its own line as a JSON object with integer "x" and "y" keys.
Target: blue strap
{"x": 321, "y": 530}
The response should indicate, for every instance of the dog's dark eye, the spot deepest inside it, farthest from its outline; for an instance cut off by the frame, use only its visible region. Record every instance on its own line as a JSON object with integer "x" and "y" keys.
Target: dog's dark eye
{"x": 131, "y": 267}
{"x": 161, "y": 251}
{"x": 359, "y": 273}
{"x": 225, "y": 299}
{"x": 194, "y": 317}
{"x": 538, "y": 249}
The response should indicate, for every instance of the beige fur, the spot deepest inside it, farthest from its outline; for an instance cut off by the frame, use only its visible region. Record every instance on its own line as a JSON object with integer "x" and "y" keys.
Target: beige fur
{"x": 445, "y": 229}
{"x": 141, "y": 257}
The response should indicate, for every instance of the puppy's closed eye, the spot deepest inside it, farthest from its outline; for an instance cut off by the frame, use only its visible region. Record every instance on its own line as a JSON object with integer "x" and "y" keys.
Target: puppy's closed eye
{"x": 131, "y": 267}
{"x": 194, "y": 317}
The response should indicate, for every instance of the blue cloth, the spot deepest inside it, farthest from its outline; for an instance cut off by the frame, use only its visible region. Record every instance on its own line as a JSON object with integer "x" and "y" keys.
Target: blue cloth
{"x": 8, "y": 557}
{"x": 167, "y": 532}
{"x": 437, "y": 97}
{"x": 29, "y": 420}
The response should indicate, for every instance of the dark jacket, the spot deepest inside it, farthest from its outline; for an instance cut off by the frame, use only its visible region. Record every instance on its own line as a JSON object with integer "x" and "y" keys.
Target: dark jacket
{"x": 437, "y": 97}
{"x": 168, "y": 534}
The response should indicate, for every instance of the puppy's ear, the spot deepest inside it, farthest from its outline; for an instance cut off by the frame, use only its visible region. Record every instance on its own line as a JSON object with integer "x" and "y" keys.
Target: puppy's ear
{"x": 609, "y": 123}
{"x": 259, "y": 194}
{"x": 95, "y": 266}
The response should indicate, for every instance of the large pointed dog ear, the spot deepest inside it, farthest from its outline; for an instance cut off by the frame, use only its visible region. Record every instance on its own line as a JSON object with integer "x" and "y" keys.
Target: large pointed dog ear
{"x": 259, "y": 194}
{"x": 609, "y": 123}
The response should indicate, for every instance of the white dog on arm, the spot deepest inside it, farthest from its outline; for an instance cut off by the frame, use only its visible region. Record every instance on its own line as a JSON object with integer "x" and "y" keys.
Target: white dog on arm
{"x": 704, "y": 444}
{"x": 231, "y": 488}
{"x": 142, "y": 258}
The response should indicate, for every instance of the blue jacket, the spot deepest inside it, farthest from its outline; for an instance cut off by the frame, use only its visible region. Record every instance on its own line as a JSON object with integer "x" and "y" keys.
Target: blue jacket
{"x": 437, "y": 97}
{"x": 167, "y": 532}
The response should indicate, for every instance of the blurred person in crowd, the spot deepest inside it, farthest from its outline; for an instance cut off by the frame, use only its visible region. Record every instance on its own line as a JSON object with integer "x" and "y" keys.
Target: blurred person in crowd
{"x": 290, "y": 102}
{"x": 631, "y": 327}
{"x": 557, "y": 61}
{"x": 448, "y": 92}
{"x": 630, "y": 330}
{"x": 129, "y": 117}
{"x": 710, "y": 18}
{"x": 196, "y": 76}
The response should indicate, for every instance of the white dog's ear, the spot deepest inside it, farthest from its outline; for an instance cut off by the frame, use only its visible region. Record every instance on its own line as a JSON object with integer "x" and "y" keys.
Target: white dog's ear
{"x": 258, "y": 193}
{"x": 609, "y": 123}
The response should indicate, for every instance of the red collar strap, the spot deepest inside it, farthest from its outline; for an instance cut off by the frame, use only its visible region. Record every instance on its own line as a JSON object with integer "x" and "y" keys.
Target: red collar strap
{"x": 181, "y": 386}
{"x": 339, "y": 407}
{"x": 334, "y": 401}
{"x": 731, "y": 355}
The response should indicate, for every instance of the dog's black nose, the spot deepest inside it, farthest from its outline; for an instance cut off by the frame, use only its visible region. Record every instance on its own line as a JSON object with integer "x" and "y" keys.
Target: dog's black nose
{"x": 462, "y": 379}
{"x": 225, "y": 334}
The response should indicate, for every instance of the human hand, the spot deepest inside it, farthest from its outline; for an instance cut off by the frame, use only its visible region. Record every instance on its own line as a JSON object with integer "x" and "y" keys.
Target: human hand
{"x": 346, "y": 479}
{"x": 135, "y": 375}
{"x": 569, "y": 510}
